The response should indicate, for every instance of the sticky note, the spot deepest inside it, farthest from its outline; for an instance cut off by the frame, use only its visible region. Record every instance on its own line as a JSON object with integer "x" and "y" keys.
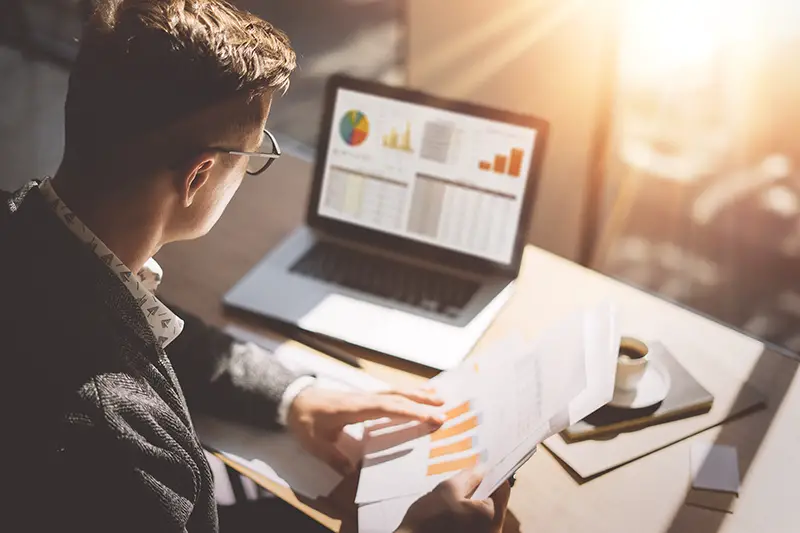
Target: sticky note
{"x": 715, "y": 467}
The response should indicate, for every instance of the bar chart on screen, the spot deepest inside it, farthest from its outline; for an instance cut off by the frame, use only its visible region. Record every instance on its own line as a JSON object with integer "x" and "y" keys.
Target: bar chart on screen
{"x": 507, "y": 164}
{"x": 398, "y": 140}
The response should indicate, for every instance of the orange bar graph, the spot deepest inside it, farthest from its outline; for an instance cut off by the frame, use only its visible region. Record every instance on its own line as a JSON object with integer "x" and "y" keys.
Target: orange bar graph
{"x": 458, "y": 446}
{"x": 500, "y": 163}
{"x": 505, "y": 164}
{"x": 453, "y": 466}
{"x": 457, "y": 411}
{"x": 515, "y": 166}
{"x": 456, "y": 429}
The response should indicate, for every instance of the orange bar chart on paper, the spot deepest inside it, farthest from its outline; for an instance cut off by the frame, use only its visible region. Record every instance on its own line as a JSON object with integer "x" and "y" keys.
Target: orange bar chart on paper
{"x": 456, "y": 465}
{"x": 463, "y": 445}
{"x": 458, "y": 410}
{"x": 456, "y": 429}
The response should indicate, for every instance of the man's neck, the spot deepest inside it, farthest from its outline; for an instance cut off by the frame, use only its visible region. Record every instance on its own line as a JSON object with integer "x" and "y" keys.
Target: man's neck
{"x": 125, "y": 224}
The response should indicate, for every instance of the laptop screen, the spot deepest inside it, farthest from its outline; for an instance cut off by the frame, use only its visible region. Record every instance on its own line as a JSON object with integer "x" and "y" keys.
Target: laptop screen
{"x": 431, "y": 175}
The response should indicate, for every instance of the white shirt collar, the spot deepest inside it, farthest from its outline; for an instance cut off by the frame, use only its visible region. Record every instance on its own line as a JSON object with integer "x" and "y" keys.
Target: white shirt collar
{"x": 165, "y": 324}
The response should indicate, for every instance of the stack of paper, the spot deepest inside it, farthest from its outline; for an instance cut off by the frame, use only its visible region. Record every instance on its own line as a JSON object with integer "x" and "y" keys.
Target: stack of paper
{"x": 499, "y": 405}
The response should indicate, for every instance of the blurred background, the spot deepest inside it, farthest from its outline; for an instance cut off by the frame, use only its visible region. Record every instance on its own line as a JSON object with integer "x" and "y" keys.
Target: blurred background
{"x": 704, "y": 185}
{"x": 673, "y": 162}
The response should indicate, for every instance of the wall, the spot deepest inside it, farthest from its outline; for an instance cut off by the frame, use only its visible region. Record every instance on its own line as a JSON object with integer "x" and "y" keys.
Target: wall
{"x": 543, "y": 57}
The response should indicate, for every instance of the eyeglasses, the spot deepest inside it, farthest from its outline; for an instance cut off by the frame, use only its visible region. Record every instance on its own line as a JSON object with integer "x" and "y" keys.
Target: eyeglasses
{"x": 261, "y": 160}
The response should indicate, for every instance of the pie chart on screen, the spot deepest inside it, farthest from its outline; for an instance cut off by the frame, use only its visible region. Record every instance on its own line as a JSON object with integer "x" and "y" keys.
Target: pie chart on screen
{"x": 354, "y": 127}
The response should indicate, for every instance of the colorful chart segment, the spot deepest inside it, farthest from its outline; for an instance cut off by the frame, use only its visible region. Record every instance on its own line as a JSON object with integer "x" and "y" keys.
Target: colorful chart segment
{"x": 504, "y": 164}
{"x": 455, "y": 465}
{"x": 463, "y": 445}
{"x": 398, "y": 141}
{"x": 354, "y": 128}
{"x": 457, "y": 411}
{"x": 456, "y": 429}
{"x": 454, "y": 446}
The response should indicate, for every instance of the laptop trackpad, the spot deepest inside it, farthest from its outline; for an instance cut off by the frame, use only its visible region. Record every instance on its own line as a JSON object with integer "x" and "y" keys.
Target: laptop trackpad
{"x": 382, "y": 328}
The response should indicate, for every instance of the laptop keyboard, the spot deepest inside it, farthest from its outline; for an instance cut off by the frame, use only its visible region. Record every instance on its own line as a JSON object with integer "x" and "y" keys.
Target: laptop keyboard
{"x": 412, "y": 285}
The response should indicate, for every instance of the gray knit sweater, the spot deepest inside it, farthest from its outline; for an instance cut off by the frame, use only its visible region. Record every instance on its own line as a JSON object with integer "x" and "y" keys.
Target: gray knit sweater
{"x": 97, "y": 430}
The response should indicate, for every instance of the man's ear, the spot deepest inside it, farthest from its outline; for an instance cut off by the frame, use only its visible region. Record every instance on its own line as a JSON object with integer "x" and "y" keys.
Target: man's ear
{"x": 196, "y": 177}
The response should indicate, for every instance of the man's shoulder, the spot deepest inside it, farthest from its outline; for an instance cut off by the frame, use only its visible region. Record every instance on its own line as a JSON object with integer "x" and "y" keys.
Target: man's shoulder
{"x": 113, "y": 429}
{"x": 123, "y": 404}
{"x": 100, "y": 394}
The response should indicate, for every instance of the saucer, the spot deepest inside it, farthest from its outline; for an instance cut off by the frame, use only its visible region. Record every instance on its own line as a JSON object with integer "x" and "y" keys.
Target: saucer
{"x": 652, "y": 389}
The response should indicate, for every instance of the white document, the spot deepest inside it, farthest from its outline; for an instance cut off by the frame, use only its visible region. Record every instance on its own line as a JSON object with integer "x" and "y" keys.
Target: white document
{"x": 715, "y": 467}
{"x": 517, "y": 393}
{"x": 500, "y": 405}
{"x": 600, "y": 348}
{"x": 277, "y": 455}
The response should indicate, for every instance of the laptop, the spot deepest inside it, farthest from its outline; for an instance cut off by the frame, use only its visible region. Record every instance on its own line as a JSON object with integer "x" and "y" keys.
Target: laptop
{"x": 415, "y": 225}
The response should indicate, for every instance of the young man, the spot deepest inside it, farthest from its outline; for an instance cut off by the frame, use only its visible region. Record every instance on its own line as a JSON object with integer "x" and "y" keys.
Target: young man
{"x": 165, "y": 116}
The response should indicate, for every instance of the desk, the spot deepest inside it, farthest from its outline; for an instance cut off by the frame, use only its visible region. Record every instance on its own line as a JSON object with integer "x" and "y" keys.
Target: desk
{"x": 646, "y": 496}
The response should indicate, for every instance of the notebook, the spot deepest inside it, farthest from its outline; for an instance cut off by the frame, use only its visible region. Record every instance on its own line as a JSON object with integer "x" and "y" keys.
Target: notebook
{"x": 686, "y": 397}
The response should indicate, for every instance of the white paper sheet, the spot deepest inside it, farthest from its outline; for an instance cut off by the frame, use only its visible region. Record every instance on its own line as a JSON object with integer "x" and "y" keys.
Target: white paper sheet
{"x": 507, "y": 399}
{"x": 277, "y": 455}
{"x": 602, "y": 348}
{"x": 715, "y": 467}
{"x": 524, "y": 392}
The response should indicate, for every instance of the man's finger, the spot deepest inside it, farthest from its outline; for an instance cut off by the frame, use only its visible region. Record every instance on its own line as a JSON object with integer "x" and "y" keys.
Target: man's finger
{"x": 485, "y": 512}
{"x": 500, "y": 498}
{"x": 424, "y": 396}
{"x": 465, "y": 482}
{"x": 329, "y": 453}
{"x": 395, "y": 407}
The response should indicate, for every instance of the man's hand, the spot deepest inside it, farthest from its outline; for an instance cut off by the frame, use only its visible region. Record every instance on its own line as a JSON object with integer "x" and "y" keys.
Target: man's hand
{"x": 317, "y": 416}
{"x": 448, "y": 508}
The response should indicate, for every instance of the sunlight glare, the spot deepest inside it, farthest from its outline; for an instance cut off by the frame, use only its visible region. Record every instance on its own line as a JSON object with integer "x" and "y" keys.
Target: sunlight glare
{"x": 661, "y": 38}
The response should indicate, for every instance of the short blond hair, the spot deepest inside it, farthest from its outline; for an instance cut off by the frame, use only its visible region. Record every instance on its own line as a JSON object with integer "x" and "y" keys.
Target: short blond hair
{"x": 145, "y": 64}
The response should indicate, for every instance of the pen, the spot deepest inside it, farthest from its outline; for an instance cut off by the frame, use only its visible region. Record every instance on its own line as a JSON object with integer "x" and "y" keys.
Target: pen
{"x": 327, "y": 348}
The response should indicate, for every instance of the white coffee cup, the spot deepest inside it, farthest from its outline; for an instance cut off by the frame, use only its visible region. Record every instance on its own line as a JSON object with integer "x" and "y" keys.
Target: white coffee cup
{"x": 631, "y": 363}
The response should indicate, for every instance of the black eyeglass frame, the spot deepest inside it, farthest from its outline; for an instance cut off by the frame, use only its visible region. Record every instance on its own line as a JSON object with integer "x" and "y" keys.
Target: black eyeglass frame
{"x": 269, "y": 157}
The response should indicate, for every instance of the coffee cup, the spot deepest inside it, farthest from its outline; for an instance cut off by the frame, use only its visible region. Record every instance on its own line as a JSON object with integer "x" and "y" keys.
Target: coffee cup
{"x": 631, "y": 363}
